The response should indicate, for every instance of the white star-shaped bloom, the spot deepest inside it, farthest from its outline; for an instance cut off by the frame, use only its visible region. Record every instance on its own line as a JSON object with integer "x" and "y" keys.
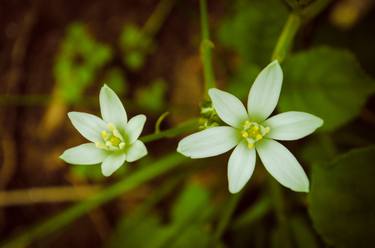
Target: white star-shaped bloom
{"x": 251, "y": 131}
{"x": 114, "y": 139}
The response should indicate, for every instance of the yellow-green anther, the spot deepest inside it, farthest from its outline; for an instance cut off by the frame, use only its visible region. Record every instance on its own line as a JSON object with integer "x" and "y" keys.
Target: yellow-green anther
{"x": 253, "y": 132}
{"x": 111, "y": 126}
{"x": 115, "y": 141}
{"x": 112, "y": 139}
{"x": 104, "y": 134}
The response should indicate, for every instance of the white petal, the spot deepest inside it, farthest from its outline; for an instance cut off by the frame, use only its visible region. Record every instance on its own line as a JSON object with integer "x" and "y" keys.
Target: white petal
{"x": 209, "y": 142}
{"x": 292, "y": 125}
{"x": 265, "y": 91}
{"x": 84, "y": 154}
{"x": 134, "y": 127}
{"x": 282, "y": 165}
{"x": 136, "y": 151}
{"x": 240, "y": 167}
{"x": 229, "y": 108}
{"x": 111, "y": 107}
{"x": 88, "y": 125}
{"x": 112, "y": 163}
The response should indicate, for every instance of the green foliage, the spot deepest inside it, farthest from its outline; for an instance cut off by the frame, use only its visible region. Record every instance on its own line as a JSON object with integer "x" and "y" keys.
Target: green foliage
{"x": 240, "y": 83}
{"x": 186, "y": 228}
{"x": 303, "y": 234}
{"x": 256, "y": 30}
{"x": 326, "y": 82}
{"x": 319, "y": 149}
{"x": 152, "y": 98}
{"x": 94, "y": 173}
{"x": 77, "y": 62}
{"x": 342, "y": 199}
{"x": 256, "y": 25}
{"x": 135, "y": 45}
{"x": 116, "y": 80}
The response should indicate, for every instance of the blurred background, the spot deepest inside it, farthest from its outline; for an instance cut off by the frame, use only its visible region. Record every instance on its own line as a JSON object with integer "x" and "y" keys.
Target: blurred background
{"x": 55, "y": 56}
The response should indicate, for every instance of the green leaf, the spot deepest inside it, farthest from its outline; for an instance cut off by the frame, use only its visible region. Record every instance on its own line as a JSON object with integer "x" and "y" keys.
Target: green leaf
{"x": 342, "y": 199}
{"x": 253, "y": 28}
{"x": 116, "y": 80}
{"x": 186, "y": 227}
{"x": 326, "y": 82}
{"x": 303, "y": 234}
{"x": 78, "y": 61}
{"x": 153, "y": 97}
{"x": 239, "y": 85}
{"x": 191, "y": 205}
{"x": 132, "y": 230}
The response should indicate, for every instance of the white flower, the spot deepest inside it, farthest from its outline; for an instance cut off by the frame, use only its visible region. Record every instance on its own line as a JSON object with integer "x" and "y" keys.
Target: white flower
{"x": 114, "y": 138}
{"x": 251, "y": 131}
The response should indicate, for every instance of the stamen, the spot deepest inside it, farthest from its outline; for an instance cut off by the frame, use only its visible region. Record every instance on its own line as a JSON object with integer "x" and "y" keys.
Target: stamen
{"x": 121, "y": 145}
{"x": 253, "y": 132}
{"x": 111, "y": 126}
{"x": 115, "y": 141}
{"x": 104, "y": 134}
{"x": 100, "y": 145}
{"x": 112, "y": 139}
{"x": 244, "y": 134}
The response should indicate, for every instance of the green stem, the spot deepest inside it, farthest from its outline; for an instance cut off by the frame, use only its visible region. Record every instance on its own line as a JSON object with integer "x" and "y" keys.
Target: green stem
{"x": 157, "y": 18}
{"x": 314, "y": 9}
{"x": 253, "y": 213}
{"x": 286, "y": 38}
{"x": 293, "y": 24}
{"x": 172, "y": 132}
{"x": 280, "y": 209}
{"x": 277, "y": 199}
{"x": 205, "y": 50}
{"x": 227, "y": 214}
{"x": 62, "y": 219}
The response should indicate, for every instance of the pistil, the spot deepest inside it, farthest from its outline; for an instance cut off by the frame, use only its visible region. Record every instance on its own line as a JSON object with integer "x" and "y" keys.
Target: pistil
{"x": 253, "y": 132}
{"x": 111, "y": 139}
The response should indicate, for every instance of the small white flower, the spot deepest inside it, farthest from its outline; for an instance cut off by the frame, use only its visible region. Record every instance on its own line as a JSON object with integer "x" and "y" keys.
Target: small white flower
{"x": 114, "y": 138}
{"x": 251, "y": 131}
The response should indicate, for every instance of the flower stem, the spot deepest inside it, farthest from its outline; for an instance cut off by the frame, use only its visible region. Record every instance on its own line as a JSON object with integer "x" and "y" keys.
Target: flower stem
{"x": 69, "y": 215}
{"x": 205, "y": 48}
{"x": 157, "y": 18}
{"x": 293, "y": 24}
{"x": 227, "y": 214}
{"x": 286, "y": 38}
{"x": 187, "y": 126}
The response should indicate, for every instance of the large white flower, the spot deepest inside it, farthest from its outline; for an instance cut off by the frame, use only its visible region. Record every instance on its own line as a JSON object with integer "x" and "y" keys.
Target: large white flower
{"x": 114, "y": 138}
{"x": 251, "y": 131}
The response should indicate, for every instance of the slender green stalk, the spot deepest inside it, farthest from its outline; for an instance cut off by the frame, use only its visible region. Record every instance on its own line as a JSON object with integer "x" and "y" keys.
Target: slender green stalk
{"x": 66, "y": 217}
{"x": 172, "y": 132}
{"x": 158, "y": 195}
{"x": 159, "y": 121}
{"x": 277, "y": 200}
{"x": 279, "y": 207}
{"x": 286, "y": 38}
{"x": 293, "y": 24}
{"x": 206, "y": 46}
{"x": 157, "y": 18}
{"x": 253, "y": 213}
{"x": 314, "y": 9}
{"x": 227, "y": 215}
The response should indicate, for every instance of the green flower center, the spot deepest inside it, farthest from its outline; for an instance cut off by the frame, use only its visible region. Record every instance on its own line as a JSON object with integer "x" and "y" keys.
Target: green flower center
{"x": 112, "y": 140}
{"x": 253, "y": 132}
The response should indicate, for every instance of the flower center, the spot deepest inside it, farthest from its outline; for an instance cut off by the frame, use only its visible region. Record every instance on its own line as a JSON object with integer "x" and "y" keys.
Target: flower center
{"x": 252, "y": 132}
{"x": 112, "y": 140}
